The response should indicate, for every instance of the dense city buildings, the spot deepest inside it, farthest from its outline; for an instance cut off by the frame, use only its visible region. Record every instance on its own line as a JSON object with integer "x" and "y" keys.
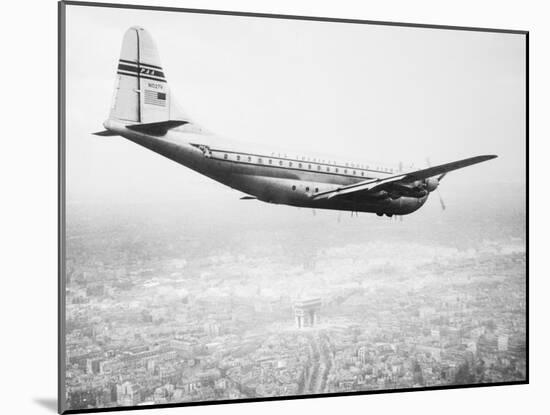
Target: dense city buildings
{"x": 162, "y": 313}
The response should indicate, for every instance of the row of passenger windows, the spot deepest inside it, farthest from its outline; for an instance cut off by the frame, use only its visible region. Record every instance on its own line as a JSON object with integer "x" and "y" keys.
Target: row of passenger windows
{"x": 307, "y": 189}
{"x": 309, "y": 166}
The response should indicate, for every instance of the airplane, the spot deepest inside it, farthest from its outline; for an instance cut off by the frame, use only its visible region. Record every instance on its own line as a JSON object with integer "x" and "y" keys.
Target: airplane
{"x": 145, "y": 112}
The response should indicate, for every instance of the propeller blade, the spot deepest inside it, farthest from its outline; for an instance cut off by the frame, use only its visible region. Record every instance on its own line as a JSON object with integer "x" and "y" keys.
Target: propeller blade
{"x": 443, "y": 207}
{"x": 441, "y": 202}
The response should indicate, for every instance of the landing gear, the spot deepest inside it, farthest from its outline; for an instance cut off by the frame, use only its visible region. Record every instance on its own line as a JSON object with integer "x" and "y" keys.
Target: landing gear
{"x": 379, "y": 214}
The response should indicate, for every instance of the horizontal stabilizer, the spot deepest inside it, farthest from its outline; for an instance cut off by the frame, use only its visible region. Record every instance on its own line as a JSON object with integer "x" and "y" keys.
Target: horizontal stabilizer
{"x": 156, "y": 128}
{"x": 105, "y": 133}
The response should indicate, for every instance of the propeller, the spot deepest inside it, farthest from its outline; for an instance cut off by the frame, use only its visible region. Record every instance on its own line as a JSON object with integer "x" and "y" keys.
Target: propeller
{"x": 443, "y": 207}
{"x": 441, "y": 176}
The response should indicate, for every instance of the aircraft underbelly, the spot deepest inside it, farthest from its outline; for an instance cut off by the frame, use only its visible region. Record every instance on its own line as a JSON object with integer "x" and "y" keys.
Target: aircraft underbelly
{"x": 298, "y": 191}
{"x": 284, "y": 186}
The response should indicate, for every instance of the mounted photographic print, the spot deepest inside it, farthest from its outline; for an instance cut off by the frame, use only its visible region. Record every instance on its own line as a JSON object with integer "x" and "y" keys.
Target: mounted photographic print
{"x": 257, "y": 207}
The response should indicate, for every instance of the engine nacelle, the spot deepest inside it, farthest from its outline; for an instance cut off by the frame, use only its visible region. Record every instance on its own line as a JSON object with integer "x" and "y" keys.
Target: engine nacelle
{"x": 431, "y": 184}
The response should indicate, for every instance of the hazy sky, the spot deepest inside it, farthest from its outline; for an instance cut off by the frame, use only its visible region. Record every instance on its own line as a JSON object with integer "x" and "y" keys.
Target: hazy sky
{"x": 369, "y": 92}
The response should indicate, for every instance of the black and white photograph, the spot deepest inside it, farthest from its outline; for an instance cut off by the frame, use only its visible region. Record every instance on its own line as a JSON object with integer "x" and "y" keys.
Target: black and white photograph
{"x": 260, "y": 207}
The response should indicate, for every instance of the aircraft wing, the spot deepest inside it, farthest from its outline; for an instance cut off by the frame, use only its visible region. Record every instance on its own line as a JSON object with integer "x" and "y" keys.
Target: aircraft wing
{"x": 400, "y": 183}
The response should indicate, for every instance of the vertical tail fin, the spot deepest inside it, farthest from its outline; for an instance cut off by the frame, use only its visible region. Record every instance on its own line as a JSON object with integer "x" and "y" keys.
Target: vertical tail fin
{"x": 142, "y": 94}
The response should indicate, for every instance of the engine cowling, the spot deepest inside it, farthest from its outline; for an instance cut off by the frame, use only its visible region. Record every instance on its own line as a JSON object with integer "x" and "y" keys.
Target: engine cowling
{"x": 431, "y": 184}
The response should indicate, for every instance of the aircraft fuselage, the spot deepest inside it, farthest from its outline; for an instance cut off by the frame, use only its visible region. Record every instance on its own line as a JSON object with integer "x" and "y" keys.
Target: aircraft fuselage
{"x": 273, "y": 177}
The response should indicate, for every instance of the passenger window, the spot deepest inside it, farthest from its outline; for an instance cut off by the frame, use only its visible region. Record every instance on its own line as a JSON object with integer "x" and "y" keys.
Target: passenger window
{"x": 225, "y": 156}
{"x": 362, "y": 173}
{"x": 328, "y": 168}
{"x": 290, "y": 164}
{"x": 238, "y": 157}
{"x": 307, "y": 189}
{"x": 293, "y": 187}
{"x": 270, "y": 161}
{"x": 345, "y": 171}
{"x": 354, "y": 172}
{"x": 336, "y": 169}
{"x": 318, "y": 167}
{"x": 260, "y": 161}
{"x": 300, "y": 165}
{"x": 280, "y": 162}
{"x": 249, "y": 158}
{"x": 309, "y": 166}
{"x": 316, "y": 189}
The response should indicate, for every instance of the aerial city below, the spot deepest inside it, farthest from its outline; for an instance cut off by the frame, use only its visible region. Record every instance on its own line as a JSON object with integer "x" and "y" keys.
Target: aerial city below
{"x": 164, "y": 311}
